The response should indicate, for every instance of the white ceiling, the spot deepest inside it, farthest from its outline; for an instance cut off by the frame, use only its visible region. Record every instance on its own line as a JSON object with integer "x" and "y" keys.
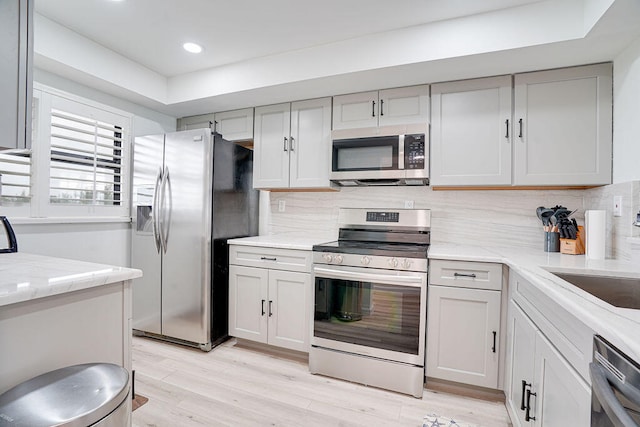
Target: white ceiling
{"x": 151, "y": 32}
{"x": 260, "y": 52}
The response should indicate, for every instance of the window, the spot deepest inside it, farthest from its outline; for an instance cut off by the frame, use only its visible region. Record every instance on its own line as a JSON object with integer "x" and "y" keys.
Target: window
{"x": 87, "y": 157}
{"x": 86, "y": 160}
{"x": 78, "y": 166}
{"x": 15, "y": 178}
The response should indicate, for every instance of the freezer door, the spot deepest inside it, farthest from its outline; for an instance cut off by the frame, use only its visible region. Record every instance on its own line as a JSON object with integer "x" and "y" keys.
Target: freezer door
{"x": 185, "y": 224}
{"x": 148, "y": 153}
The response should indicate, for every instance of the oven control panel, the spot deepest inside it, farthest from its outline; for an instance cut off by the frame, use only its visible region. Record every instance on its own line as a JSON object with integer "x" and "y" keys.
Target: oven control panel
{"x": 371, "y": 261}
{"x": 383, "y": 216}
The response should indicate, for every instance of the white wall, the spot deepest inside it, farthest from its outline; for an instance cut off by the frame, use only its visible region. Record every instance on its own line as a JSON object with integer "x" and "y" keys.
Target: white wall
{"x": 493, "y": 218}
{"x": 105, "y": 243}
{"x": 626, "y": 114}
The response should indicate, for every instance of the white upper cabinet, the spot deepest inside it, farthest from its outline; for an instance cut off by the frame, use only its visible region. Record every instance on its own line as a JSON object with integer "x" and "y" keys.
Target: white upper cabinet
{"x": 16, "y": 45}
{"x": 471, "y": 132}
{"x": 400, "y": 106}
{"x": 236, "y": 125}
{"x": 563, "y": 126}
{"x": 271, "y": 146}
{"x": 292, "y": 145}
{"x": 558, "y": 133}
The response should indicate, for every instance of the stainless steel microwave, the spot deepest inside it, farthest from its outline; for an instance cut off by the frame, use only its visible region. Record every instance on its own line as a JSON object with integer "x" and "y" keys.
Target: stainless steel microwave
{"x": 380, "y": 156}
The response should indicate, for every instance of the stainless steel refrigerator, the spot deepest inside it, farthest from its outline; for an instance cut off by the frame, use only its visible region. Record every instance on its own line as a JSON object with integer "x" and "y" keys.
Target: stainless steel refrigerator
{"x": 192, "y": 191}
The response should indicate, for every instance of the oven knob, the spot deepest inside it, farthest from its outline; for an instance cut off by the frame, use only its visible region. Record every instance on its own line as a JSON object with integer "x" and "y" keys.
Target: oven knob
{"x": 365, "y": 260}
{"x": 327, "y": 258}
{"x": 393, "y": 262}
{"x": 338, "y": 259}
{"x": 406, "y": 263}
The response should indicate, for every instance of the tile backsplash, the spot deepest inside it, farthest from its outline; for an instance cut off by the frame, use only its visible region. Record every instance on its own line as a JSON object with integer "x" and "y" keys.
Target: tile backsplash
{"x": 479, "y": 217}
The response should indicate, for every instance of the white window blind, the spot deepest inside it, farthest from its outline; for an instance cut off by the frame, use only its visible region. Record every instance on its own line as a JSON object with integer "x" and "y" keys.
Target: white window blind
{"x": 86, "y": 160}
{"x": 15, "y": 178}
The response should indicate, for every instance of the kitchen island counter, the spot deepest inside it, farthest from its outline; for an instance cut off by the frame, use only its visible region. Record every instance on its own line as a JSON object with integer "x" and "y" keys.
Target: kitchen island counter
{"x": 26, "y": 277}
{"x": 620, "y": 326}
{"x": 57, "y": 312}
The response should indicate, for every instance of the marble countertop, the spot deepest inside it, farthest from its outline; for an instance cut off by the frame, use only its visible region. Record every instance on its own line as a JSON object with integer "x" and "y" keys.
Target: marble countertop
{"x": 620, "y": 326}
{"x": 298, "y": 241}
{"x": 25, "y": 277}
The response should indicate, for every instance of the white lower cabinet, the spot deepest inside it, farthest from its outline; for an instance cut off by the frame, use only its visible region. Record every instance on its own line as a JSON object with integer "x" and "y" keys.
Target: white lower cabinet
{"x": 463, "y": 334}
{"x": 463, "y": 322}
{"x": 270, "y": 306}
{"x": 543, "y": 388}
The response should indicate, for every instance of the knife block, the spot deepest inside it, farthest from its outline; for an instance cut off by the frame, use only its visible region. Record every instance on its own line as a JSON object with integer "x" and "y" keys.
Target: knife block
{"x": 573, "y": 247}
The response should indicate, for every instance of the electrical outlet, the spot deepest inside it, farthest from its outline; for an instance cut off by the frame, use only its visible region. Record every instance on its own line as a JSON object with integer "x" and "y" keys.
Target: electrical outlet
{"x": 408, "y": 204}
{"x": 281, "y": 205}
{"x": 617, "y": 205}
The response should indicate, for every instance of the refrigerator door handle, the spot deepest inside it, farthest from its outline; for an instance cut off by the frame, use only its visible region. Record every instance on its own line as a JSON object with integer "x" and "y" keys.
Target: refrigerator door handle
{"x": 155, "y": 210}
{"x": 166, "y": 210}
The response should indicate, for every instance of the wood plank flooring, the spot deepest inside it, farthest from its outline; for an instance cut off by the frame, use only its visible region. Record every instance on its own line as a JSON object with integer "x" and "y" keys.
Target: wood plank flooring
{"x": 237, "y": 385}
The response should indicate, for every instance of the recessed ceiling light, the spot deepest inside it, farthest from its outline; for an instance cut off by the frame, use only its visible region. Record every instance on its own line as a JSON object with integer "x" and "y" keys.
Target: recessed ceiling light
{"x": 192, "y": 47}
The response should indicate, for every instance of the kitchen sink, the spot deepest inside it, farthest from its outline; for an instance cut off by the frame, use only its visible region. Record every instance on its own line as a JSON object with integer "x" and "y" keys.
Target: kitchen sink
{"x": 620, "y": 292}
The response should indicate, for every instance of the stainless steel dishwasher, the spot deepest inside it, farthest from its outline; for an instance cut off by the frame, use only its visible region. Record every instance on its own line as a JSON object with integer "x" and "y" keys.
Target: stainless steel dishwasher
{"x": 615, "y": 387}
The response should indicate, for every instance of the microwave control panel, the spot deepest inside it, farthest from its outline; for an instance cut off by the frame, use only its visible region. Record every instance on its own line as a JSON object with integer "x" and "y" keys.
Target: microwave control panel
{"x": 414, "y": 146}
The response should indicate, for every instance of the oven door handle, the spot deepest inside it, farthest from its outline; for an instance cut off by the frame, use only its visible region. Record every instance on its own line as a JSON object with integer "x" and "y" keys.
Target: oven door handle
{"x": 390, "y": 279}
{"x": 608, "y": 400}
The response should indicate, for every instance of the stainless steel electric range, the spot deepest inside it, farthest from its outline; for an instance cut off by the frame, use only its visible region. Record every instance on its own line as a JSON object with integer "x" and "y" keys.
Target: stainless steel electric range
{"x": 371, "y": 299}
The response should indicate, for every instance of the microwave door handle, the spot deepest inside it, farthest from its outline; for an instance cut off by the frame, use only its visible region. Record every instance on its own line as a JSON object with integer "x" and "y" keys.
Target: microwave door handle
{"x": 608, "y": 400}
{"x": 414, "y": 281}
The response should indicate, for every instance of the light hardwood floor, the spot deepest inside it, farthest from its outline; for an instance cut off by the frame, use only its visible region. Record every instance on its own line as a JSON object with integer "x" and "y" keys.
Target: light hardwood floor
{"x": 237, "y": 385}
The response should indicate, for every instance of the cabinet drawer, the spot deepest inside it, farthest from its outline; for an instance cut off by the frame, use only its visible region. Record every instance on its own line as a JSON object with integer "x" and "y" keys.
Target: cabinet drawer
{"x": 277, "y": 259}
{"x": 466, "y": 274}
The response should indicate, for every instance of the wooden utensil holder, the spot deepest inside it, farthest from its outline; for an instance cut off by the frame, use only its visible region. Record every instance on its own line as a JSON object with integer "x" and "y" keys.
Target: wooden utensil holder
{"x": 571, "y": 246}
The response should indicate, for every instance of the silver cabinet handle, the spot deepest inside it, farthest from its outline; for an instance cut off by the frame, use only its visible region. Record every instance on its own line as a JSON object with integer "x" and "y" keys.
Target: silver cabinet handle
{"x": 608, "y": 400}
{"x": 285, "y": 144}
{"x": 472, "y": 275}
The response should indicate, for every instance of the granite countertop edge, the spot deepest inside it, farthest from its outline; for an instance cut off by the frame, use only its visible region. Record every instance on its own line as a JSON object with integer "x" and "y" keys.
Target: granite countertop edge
{"x": 26, "y": 277}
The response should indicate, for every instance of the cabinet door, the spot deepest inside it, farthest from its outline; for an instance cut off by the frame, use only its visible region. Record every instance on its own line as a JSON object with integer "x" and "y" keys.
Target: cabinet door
{"x": 288, "y": 309}
{"x": 463, "y": 331}
{"x": 248, "y": 303}
{"x": 16, "y": 45}
{"x": 200, "y": 121}
{"x": 357, "y": 110}
{"x": 562, "y": 397}
{"x": 471, "y": 132}
{"x": 310, "y": 143}
{"x": 404, "y": 105}
{"x": 521, "y": 339}
{"x": 562, "y": 126}
{"x": 271, "y": 146}
{"x": 235, "y": 125}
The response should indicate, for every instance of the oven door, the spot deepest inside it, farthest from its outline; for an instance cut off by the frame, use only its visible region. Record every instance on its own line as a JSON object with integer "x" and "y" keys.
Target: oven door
{"x": 372, "y": 312}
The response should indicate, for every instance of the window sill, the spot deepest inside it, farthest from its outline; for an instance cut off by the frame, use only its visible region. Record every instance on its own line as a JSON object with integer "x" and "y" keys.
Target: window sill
{"x": 70, "y": 220}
